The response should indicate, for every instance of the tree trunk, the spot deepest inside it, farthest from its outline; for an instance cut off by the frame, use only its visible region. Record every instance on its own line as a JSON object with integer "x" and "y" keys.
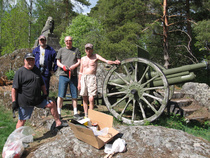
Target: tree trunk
{"x": 66, "y": 2}
{"x": 29, "y": 26}
{"x": 189, "y": 30}
{"x": 165, "y": 35}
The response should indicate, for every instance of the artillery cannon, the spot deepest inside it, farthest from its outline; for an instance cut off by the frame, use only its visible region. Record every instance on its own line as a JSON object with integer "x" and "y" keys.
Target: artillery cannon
{"x": 142, "y": 88}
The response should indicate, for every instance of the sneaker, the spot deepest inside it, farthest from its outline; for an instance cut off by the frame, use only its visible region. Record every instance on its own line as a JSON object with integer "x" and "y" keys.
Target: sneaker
{"x": 77, "y": 117}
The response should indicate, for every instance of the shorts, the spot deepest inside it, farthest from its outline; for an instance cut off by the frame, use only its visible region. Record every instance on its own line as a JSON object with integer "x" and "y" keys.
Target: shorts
{"x": 64, "y": 81}
{"x": 88, "y": 85}
{"x": 25, "y": 112}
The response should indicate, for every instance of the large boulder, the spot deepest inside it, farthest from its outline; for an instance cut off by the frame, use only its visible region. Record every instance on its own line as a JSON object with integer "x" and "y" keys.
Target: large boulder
{"x": 199, "y": 91}
{"x": 141, "y": 141}
{"x": 12, "y": 61}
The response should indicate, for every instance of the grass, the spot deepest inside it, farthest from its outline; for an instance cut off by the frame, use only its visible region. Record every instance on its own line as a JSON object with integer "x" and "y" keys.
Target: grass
{"x": 177, "y": 122}
{"x": 7, "y": 126}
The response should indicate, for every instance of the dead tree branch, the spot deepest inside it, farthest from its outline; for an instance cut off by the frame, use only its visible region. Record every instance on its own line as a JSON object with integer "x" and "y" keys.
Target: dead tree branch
{"x": 188, "y": 46}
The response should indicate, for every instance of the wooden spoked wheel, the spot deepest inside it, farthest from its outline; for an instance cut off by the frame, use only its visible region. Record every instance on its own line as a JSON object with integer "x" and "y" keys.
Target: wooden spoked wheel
{"x": 129, "y": 91}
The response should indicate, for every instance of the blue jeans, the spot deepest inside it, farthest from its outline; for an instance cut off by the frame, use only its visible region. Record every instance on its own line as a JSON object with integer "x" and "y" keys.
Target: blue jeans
{"x": 64, "y": 81}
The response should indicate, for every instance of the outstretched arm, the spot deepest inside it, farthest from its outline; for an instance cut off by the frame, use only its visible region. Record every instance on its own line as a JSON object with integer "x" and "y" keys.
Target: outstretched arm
{"x": 107, "y": 61}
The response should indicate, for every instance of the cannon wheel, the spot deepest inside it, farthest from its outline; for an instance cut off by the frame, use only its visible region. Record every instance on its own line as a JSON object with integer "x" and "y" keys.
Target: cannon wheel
{"x": 129, "y": 93}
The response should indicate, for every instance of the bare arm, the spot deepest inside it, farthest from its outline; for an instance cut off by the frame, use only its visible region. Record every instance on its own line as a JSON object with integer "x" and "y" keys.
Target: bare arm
{"x": 107, "y": 61}
{"x": 59, "y": 63}
{"x": 80, "y": 74}
{"x": 14, "y": 94}
{"x": 75, "y": 65}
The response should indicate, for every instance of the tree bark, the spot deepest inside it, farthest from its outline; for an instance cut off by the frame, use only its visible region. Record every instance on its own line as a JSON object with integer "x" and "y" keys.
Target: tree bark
{"x": 29, "y": 21}
{"x": 189, "y": 30}
{"x": 165, "y": 34}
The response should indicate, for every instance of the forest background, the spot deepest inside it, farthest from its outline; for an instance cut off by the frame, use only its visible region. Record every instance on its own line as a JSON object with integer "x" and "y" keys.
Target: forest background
{"x": 174, "y": 32}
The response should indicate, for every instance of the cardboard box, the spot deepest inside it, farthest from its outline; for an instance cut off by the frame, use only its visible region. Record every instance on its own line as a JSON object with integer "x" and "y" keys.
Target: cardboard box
{"x": 87, "y": 135}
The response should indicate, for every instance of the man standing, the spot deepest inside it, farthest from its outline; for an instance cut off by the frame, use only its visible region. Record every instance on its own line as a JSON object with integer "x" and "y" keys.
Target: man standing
{"x": 68, "y": 59}
{"x": 87, "y": 76}
{"x": 28, "y": 90}
{"x": 45, "y": 60}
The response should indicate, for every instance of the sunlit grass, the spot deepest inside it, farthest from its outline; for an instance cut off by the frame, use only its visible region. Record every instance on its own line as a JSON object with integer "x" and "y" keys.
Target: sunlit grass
{"x": 177, "y": 122}
{"x": 7, "y": 126}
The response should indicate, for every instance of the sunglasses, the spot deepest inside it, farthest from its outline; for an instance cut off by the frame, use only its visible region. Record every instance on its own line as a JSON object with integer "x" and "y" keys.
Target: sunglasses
{"x": 42, "y": 39}
{"x": 68, "y": 41}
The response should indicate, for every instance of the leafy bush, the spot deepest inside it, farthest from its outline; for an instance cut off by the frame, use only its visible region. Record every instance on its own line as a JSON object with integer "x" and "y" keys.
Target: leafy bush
{"x": 10, "y": 74}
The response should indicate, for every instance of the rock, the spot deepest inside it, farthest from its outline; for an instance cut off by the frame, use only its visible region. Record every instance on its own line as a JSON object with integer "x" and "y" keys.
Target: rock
{"x": 194, "y": 105}
{"x": 12, "y": 61}
{"x": 199, "y": 91}
{"x": 47, "y": 31}
{"x": 5, "y": 96}
{"x": 141, "y": 141}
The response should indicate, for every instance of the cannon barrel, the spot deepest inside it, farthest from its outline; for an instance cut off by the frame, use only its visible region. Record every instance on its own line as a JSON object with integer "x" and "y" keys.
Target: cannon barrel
{"x": 172, "y": 79}
{"x": 174, "y": 75}
{"x": 180, "y": 69}
{"x": 176, "y": 79}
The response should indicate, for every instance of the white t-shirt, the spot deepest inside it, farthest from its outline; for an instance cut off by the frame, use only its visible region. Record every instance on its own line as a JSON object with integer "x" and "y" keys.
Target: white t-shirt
{"x": 42, "y": 54}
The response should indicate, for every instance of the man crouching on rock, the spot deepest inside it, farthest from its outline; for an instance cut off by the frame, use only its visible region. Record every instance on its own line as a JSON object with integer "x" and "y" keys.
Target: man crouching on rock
{"x": 28, "y": 90}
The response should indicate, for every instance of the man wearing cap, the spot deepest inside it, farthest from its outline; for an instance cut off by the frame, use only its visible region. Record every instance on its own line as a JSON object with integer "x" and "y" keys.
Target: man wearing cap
{"x": 68, "y": 59}
{"x": 28, "y": 90}
{"x": 45, "y": 60}
{"x": 87, "y": 76}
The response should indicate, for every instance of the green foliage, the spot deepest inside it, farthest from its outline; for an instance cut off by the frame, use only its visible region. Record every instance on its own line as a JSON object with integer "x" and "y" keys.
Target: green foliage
{"x": 84, "y": 29}
{"x": 61, "y": 11}
{"x": 7, "y": 126}
{"x": 10, "y": 74}
{"x": 14, "y": 29}
{"x": 147, "y": 123}
{"x": 122, "y": 21}
{"x": 122, "y": 43}
{"x": 202, "y": 31}
{"x": 115, "y": 27}
{"x": 147, "y": 20}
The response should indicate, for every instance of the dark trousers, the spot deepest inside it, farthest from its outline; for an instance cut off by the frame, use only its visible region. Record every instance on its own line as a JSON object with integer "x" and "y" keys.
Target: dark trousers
{"x": 46, "y": 82}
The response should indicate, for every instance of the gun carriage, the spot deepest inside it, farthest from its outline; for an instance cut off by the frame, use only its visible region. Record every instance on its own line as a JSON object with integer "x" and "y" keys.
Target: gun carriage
{"x": 138, "y": 90}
